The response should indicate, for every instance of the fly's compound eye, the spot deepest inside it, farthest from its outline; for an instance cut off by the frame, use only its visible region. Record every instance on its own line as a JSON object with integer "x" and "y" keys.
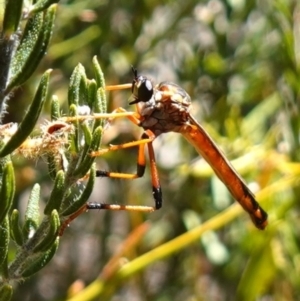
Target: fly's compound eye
{"x": 142, "y": 89}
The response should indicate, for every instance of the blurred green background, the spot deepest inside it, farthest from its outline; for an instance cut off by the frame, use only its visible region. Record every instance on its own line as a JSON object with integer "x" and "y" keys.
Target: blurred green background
{"x": 239, "y": 60}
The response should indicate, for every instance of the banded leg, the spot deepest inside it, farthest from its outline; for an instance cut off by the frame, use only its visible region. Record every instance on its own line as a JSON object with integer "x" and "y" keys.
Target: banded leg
{"x": 147, "y": 138}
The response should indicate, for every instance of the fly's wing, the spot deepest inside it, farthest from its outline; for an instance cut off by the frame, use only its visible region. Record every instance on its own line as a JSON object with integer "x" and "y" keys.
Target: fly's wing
{"x": 205, "y": 146}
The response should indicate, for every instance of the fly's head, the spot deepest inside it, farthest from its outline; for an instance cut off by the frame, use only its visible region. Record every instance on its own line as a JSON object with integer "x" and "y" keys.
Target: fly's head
{"x": 142, "y": 88}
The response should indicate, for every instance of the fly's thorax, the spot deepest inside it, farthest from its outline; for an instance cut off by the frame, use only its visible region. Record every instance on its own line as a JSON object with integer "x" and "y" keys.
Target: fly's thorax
{"x": 168, "y": 91}
{"x": 167, "y": 110}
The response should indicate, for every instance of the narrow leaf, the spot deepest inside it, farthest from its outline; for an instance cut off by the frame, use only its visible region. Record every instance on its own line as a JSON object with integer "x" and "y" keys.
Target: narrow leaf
{"x": 87, "y": 133}
{"x": 57, "y": 193}
{"x": 92, "y": 92}
{"x": 27, "y": 43}
{"x": 31, "y": 117}
{"x": 82, "y": 199}
{"x": 7, "y": 47}
{"x": 15, "y": 229}
{"x": 7, "y": 191}
{"x": 76, "y": 83}
{"x": 4, "y": 242}
{"x": 55, "y": 108}
{"x": 32, "y": 48}
{"x": 87, "y": 162}
{"x": 98, "y": 73}
{"x": 74, "y": 138}
{"x": 52, "y": 161}
{"x": 100, "y": 106}
{"x": 32, "y": 215}
{"x": 42, "y": 5}
{"x": 84, "y": 151}
{"x": 259, "y": 273}
{"x": 39, "y": 261}
{"x": 6, "y": 292}
{"x": 51, "y": 235}
{"x": 12, "y": 16}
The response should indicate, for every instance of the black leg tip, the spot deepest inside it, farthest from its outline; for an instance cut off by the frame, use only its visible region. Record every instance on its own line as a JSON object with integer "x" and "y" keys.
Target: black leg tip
{"x": 102, "y": 173}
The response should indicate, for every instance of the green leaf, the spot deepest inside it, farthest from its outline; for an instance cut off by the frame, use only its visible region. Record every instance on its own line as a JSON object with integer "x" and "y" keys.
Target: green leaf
{"x": 51, "y": 235}
{"x": 7, "y": 191}
{"x": 12, "y": 16}
{"x": 37, "y": 262}
{"x": 88, "y": 160}
{"x": 98, "y": 73}
{"x": 259, "y": 272}
{"x": 84, "y": 151}
{"x": 74, "y": 138}
{"x": 92, "y": 92}
{"x": 4, "y": 243}
{"x": 254, "y": 123}
{"x": 78, "y": 86}
{"x": 87, "y": 133}
{"x": 31, "y": 117}
{"x": 55, "y": 108}
{"x": 57, "y": 193}
{"x": 25, "y": 49}
{"x": 42, "y": 5}
{"x": 7, "y": 47}
{"x": 15, "y": 229}
{"x": 32, "y": 215}
{"x": 32, "y": 48}
{"x": 82, "y": 199}
{"x": 52, "y": 161}
{"x": 100, "y": 106}
{"x": 100, "y": 102}
{"x": 68, "y": 47}
{"x": 6, "y": 292}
